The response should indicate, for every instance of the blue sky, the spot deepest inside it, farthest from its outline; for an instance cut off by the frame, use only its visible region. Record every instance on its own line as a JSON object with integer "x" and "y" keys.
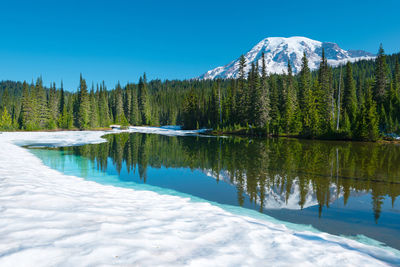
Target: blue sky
{"x": 119, "y": 40}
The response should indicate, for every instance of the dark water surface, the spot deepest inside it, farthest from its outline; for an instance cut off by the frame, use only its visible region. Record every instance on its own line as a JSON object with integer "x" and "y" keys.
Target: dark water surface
{"x": 344, "y": 188}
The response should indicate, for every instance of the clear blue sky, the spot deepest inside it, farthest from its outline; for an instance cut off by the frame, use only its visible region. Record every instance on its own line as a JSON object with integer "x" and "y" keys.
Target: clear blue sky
{"x": 119, "y": 40}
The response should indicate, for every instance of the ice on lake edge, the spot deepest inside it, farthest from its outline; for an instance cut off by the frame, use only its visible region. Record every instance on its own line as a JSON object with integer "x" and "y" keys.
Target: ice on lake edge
{"x": 48, "y": 218}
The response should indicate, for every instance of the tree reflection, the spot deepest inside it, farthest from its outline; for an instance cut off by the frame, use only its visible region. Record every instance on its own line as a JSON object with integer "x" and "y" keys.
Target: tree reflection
{"x": 325, "y": 170}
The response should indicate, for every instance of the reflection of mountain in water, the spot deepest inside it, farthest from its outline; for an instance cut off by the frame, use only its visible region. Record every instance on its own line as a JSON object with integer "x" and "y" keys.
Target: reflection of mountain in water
{"x": 281, "y": 197}
{"x": 273, "y": 173}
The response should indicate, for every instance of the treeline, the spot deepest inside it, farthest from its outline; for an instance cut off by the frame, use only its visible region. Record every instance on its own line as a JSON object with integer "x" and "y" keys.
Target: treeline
{"x": 34, "y": 107}
{"x": 359, "y": 101}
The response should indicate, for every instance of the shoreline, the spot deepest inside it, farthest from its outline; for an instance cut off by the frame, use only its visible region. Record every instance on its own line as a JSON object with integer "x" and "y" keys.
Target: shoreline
{"x": 243, "y": 133}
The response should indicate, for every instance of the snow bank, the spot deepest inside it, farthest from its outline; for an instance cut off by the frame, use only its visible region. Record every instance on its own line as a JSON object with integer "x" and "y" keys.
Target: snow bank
{"x": 51, "y": 219}
{"x": 170, "y": 130}
{"x": 76, "y": 138}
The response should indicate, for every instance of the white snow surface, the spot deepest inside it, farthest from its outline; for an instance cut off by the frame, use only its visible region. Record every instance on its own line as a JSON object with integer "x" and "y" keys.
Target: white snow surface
{"x": 51, "y": 219}
{"x": 169, "y": 130}
{"x": 279, "y": 50}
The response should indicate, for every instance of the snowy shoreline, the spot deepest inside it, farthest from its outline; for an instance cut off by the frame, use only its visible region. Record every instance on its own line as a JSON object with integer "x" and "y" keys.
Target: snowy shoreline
{"x": 48, "y": 218}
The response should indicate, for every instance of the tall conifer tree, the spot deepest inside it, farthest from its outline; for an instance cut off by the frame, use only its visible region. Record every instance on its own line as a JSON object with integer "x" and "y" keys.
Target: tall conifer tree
{"x": 381, "y": 77}
{"x": 83, "y": 105}
{"x": 349, "y": 95}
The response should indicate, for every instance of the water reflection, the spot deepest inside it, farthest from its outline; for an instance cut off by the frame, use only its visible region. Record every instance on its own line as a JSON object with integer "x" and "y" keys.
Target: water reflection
{"x": 272, "y": 173}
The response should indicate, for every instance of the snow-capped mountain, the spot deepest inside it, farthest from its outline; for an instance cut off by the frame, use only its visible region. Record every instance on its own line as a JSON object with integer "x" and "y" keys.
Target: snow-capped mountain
{"x": 279, "y": 50}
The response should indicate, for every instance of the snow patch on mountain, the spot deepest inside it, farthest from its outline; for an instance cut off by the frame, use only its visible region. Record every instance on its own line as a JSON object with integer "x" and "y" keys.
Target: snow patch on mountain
{"x": 278, "y": 51}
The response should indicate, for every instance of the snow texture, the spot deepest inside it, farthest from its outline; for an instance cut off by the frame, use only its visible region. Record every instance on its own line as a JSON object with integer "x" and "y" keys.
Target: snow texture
{"x": 170, "y": 130}
{"x": 279, "y": 50}
{"x": 50, "y": 219}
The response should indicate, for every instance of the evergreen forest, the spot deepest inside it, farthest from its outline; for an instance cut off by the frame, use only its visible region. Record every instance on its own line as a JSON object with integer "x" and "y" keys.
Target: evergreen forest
{"x": 356, "y": 101}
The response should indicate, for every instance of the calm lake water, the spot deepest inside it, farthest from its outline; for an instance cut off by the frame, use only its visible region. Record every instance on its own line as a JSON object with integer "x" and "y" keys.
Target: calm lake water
{"x": 344, "y": 188}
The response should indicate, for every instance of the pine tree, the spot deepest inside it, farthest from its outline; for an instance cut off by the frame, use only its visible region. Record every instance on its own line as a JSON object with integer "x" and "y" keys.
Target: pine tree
{"x": 119, "y": 116}
{"x": 381, "y": 77}
{"x": 367, "y": 128}
{"x": 127, "y": 102}
{"x": 396, "y": 77}
{"x": 190, "y": 110}
{"x": 325, "y": 97}
{"x": 104, "y": 115}
{"x": 83, "y": 106}
{"x": 349, "y": 95}
{"x": 5, "y": 100}
{"x": 275, "y": 114}
{"x": 213, "y": 106}
{"x": 42, "y": 107}
{"x": 230, "y": 105}
{"x": 62, "y": 99}
{"x": 241, "y": 96}
{"x": 290, "y": 100}
{"x": 5, "y": 120}
{"x": 66, "y": 119}
{"x": 143, "y": 101}
{"x": 304, "y": 81}
{"x": 253, "y": 87}
{"x": 264, "y": 98}
{"x": 259, "y": 101}
{"x": 134, "y": 112}
{"x": 311, "y": 115}
{"x": 53, "y": 108}
{"x": 94, "y": 112}
{"x": 26, "y": 120}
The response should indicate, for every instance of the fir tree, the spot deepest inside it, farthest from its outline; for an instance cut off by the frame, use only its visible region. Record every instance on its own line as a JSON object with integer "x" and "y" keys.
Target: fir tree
{"x": 119, "y": 116}
{"x": 94, "y": 112}
{"x": 143, "y": 100}
{"x": 381, "y": 77}
{"x": 241, "y": 96}
{"x": 264, "y": 98}
{"x": 396, "y": 77}
{"x": 134, "y": 112}
{"x": 325, "y": 96}
{"x": 5, "y": 120}
{"x": 311, "y": 116}
{"x": 304, "y": 81}
{"x": 104, "y": 115}
{"x": 127, "y": 102}
{"x": 42, "y": 115}
{"x": 53, "y": 108}
{"x": 5, "y": 100}
{"x": 27, "y": 120}
{"x": 83, "y": 106}
{"x": 349, "y": 95}
{"x": 190, "y": 110}
{"x": 259, "y": 101}
{"x": 368, "y": 121}
{"x": 275, "y": 114}
{"x": 290, "y": 100}
{"x": 62, "y": 98}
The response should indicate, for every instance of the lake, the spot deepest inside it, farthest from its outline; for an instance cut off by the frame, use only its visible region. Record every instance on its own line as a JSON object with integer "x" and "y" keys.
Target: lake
{"x": 343, "y": 188}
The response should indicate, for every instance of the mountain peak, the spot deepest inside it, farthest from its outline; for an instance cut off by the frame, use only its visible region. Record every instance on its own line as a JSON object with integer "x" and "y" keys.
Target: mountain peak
{"x": 279, "y": 51}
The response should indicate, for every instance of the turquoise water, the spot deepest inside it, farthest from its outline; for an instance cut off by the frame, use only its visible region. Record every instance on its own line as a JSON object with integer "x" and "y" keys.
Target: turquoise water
{"x": 331, "y": 186}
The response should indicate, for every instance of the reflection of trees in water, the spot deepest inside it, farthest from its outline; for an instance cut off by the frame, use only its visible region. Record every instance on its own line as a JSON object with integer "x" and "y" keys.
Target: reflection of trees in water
{"x": 255, "y": 166}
